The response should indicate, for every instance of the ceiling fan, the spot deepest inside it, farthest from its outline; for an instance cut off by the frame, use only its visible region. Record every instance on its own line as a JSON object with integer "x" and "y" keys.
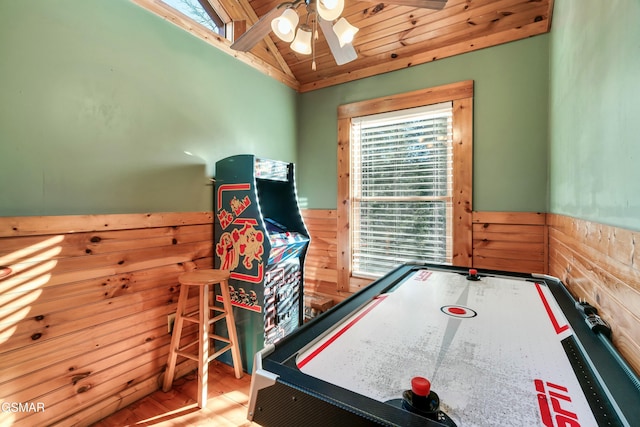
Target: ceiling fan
{"x": 283, "y": 20}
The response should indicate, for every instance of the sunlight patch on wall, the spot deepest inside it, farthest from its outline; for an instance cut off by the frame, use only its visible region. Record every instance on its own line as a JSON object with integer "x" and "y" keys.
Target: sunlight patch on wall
{"x": 26, "y": 272}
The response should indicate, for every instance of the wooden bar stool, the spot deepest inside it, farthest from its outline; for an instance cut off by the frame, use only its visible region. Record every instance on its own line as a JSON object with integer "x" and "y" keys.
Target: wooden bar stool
{"x": 205, "y": 280}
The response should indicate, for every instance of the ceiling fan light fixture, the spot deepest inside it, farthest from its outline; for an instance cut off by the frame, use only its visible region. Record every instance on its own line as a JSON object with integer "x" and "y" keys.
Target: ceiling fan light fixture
{"x": 344, "y": 31}
{"x": 302, "y": 41}
{"x": 330, "y": 10}
{"x": 284, "y": 26}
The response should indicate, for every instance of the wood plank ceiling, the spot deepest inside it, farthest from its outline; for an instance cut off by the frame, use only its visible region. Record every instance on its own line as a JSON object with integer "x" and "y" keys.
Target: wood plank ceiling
{"x": 391, "y": 37}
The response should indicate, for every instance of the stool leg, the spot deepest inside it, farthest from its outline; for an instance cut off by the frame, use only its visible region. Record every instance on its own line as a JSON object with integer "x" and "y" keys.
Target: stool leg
{"x": 203, "y": 356}
{"x": 231, "y": 328}
{"x": 175, "y": 339}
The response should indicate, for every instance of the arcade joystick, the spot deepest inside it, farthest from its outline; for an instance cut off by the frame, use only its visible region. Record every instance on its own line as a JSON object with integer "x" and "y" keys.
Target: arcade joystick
{"x": 473, "y": 274}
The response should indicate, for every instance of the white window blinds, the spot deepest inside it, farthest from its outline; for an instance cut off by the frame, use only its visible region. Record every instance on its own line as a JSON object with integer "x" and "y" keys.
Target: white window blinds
{"x": 401, "y": 184}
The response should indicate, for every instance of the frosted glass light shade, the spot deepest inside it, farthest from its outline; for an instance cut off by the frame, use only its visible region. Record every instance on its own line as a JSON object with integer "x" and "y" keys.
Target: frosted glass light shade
{"x": 284, "y": 26}
{"x": 302, "y": 42}
{"x": 330, "y": 10}
{"x": 344, "y": 31}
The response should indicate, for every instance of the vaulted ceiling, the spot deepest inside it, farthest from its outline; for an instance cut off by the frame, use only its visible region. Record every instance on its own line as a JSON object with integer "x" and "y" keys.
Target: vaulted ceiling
{"x": 391, "y": 37}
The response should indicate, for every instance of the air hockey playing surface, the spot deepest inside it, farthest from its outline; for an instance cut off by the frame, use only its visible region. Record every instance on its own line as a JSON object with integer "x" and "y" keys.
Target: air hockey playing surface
{"x": 498, "y": 350}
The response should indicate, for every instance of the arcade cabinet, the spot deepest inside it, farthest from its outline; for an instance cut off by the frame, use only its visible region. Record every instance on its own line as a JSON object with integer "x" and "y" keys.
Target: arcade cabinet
{"x": 261, "y": 238}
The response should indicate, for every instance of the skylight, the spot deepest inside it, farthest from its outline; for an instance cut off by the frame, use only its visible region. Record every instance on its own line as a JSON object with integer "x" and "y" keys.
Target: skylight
{"x": 200, "y": 11}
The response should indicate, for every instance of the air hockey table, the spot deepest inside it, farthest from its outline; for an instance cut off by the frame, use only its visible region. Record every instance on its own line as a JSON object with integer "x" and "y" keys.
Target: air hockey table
{"x": 443, "y": 346}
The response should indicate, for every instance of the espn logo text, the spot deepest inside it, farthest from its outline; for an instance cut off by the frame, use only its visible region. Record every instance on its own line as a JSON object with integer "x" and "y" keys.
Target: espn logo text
{"x": 553, "y": 400}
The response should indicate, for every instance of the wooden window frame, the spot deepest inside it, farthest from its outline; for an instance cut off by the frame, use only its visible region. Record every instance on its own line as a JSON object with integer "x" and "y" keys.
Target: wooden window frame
{"x": 214, "y": 8}
{"x": 461, "y": 94}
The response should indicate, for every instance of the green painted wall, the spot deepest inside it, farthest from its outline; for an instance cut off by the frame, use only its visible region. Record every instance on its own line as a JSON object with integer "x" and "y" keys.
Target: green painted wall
{"x": 510, "y": 124}
{"x": 100, "y": 100}
{"x": 594, "y": 154}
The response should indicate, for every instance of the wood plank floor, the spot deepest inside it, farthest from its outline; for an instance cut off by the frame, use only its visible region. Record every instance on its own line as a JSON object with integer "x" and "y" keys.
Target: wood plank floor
{"x": 226, "y": 407}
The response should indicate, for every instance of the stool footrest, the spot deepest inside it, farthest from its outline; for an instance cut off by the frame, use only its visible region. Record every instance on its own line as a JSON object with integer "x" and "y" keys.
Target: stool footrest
{"x": 217, "y": 318}
{"x": 187, "y": 355}
{"x": 191, "y": 319}
{"x": 219, "y": 352}
{"x": 192, "y": 343}
{"x": 219, "y": 338}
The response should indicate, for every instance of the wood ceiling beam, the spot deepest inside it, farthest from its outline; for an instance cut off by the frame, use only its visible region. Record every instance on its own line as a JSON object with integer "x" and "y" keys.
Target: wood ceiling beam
{"x": 220, "y": 10}
{"x": 243, "y": 11}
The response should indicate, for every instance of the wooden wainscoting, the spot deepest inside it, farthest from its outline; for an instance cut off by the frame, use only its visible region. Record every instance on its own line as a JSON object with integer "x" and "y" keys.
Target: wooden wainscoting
{"x": 601, "y": 264}
{"x": 510, "y": 241}
{"x": 84, "y": 302}
{"x": 320, "y": 268}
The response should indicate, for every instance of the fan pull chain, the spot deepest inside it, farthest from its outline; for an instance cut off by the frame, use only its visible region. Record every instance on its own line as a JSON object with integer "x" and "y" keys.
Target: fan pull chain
{"x": 313, "y": 45}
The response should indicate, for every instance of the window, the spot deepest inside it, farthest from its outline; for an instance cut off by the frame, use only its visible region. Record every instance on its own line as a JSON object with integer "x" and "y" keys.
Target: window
{"x": 401, "y": 185}
{"x": 404, "y": 182}
{"x": 199, "y": 11}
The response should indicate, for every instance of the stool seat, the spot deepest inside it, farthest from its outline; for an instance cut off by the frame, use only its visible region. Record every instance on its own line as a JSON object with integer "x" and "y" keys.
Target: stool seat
{"x": 205, "y": 280}
{"x": 203, "y": 277}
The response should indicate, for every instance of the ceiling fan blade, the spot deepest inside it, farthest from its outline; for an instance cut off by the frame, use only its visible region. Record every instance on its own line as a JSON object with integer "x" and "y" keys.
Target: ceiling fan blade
{"x": 259, "y": 30}
{"x": 425, "y": 4}
{"x": 342, "y": 54}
